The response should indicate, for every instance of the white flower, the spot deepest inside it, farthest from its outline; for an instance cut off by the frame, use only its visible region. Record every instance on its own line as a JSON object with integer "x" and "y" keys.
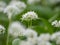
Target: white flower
{"x": 30, "y": 16}
{"x": 16, "y": 29}
{"x": 2, "y": 29}
{"x": 2, "y": 6}
{"x": 15, "y": 7}
{"x": 55, "y": 36}
{"x": 56, "y": 23}
{"x": 19, "y": 4}
{"x": 52, "y": 1}
{"x": 15, "y": 0}
{"x": 11, "y": 10}
{"x": 30, "y": 33}
{"x": 44, "y": 37}
{"x": 58, "y": 41}
{"x": 55, "y": 1}
{"x": 44, "y": 43}
{"x": 32, "y": 1}
{"x": 32, "y": 40}
{"x": 25, "y": 43}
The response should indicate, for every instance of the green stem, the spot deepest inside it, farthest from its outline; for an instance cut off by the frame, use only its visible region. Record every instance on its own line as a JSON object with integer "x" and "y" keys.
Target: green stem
{"x": 29, "y": 24}
{"x": 7, "y": 41}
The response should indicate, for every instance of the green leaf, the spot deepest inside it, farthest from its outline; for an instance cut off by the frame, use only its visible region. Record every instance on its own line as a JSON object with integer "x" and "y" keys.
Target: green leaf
{"x": 42, "y": 11}
{"x": 48, "y": 26}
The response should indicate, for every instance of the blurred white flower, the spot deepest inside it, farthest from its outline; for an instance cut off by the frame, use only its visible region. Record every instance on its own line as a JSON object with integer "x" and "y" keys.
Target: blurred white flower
{"x": 19, "y": 4}
{"x": 30, "y": 16}
{"x": 2, "y": 29}
{"x": 55, "y": 36}
{"x": 58, "y": 41}
{"x": 32, "y": 40}
{"x": 16, "y": 29}
{"x": 30, "y": 33}
{"x": 54, "y": 1}
{"x": 15, "y": 0}
{"x": 44, "y": 37}
{"x": 56, "y": 23}
{"x": 25, "y": 43}
{"x": 15, "y": 7}
{"x": 2, "y": 6}
{"x": 44, "y": 43}
{"x": 11, "y": 10}
{"x": 33, "y": 1}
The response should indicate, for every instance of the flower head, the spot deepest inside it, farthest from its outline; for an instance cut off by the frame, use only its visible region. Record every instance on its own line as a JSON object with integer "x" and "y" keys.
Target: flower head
{"x": 32, "y": 1}
{"x": 56, "y": 23}
{"x": 30, "y": 33}
{"x": 2, "y": 29}
{"x": 30, "y": 16}
{"x": 16, "y": 29}
{"x": 15, "y": 7}
{"x": 19, "y": 4}
{"x": 11, "y": 10}
{"x": 32, "y": 40}
{"x": 44, "y": 43}
{"x": 55, "y": 36}
{"x": 2, "y": 6}
{"x": 44, "y": 37}
{"x": 25, "y": 43}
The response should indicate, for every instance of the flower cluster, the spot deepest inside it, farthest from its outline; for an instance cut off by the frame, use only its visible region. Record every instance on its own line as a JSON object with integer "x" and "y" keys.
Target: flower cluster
{"x": 33, "y": 1}
{"x": 2, "y": 6}
{"x": 17, "y": 29}
{"x": 13, "y": 8}
{"x": 56, "y": 37}
{"x": 2, "y": 29}
{"x": 56, "y": 23}
{"x": 30, "y": 16}
{"x": 43, "y": 39}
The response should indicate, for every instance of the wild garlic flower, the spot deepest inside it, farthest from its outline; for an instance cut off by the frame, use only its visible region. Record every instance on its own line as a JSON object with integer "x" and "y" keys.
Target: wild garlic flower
{"x": 54, "y": 1}
{"x": 11, "y": 10}
{"x": 44, "y": 43}
{"x": 30, "y": 33}
{"x": 33, "y": 1}
{"x": 32, "y": 40}
{"x": 25, "y": 43}
{"x": 2, "y": 6}
{"x": 55, "y": 36}
{"x": 16, "y": 29}
{"x": 15, "y": 7}
{"x": 44, "y": 37}
{"x": 19, "y": 4}
{"x": 58, "y": 41}
{"x": 15, "y": 0}
{"x": 2, "y": 29}
{"x": 56, "y": 23}
{"x": 30, "y": 16}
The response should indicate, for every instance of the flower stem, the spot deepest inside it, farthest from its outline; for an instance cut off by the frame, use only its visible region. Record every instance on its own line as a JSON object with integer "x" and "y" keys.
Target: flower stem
{"x": 7, "y": 41}
{"x": 29, "y": 24}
